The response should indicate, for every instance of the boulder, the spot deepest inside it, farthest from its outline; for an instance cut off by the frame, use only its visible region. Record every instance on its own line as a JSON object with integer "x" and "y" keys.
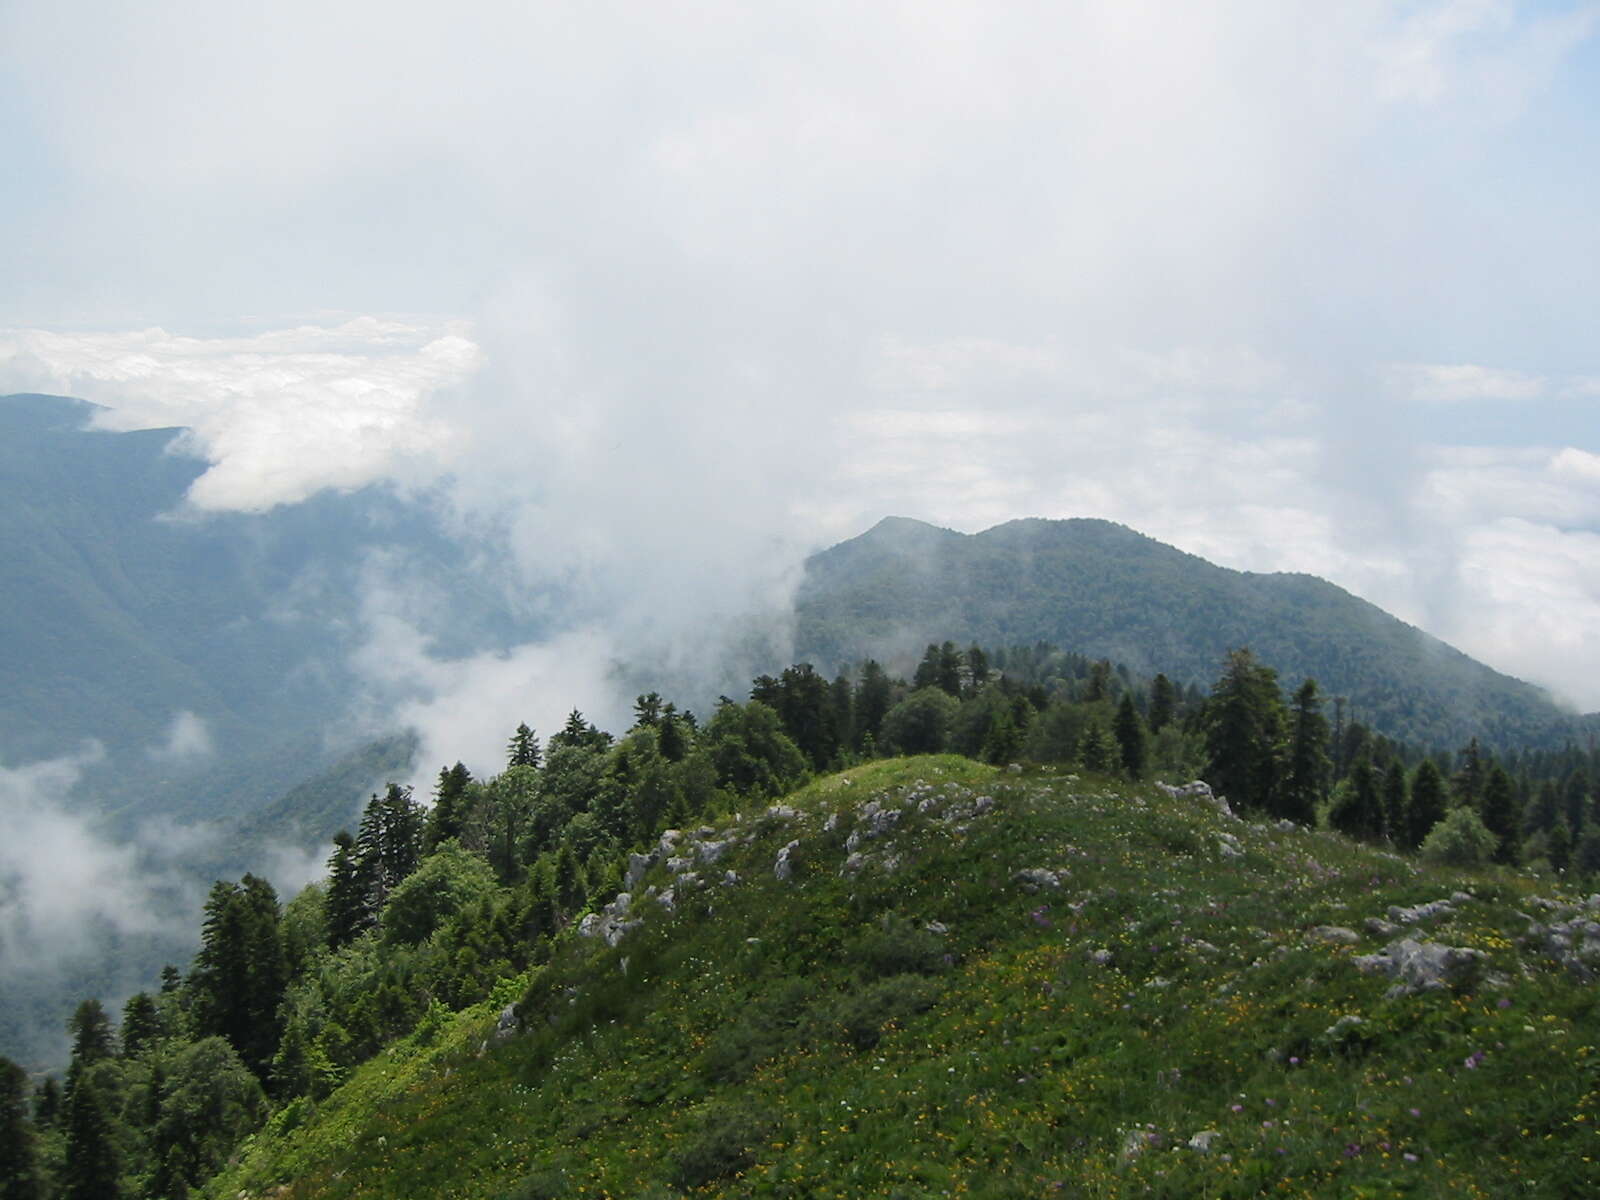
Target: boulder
{"x": 1420, "y": 966}
{"x": 783, "y": 868}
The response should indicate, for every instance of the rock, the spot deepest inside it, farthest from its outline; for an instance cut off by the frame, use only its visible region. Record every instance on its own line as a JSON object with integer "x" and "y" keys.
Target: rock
{"x": 1197, "y": 789}
{"x": 678, "y": 864}
{"x": 938, "y": 927}
{"x": 1034, "y": 879}
{"x": 982, "y": 805}
{"x": 1420, "y": 912}
{"x": 831, "y": 823}
{"x": 506, "y": 1025}
{"x": 782, "y": 812}
{"x": 668, "y": 899}
{"x": 1420, "y": 966}
{"x": 1461, "y": 897}
{"x": 1100, "y": 957}
{"x": 1336, "y": 935}
{"x": 1343, "y": 1026}
{"x": 638, "y": 866}
{"x": 609, "y": 923}
{"x": 1202, "y": 1140}
{"x": 854, "y": 863}
{"x": 1229, "y": 846}
{"x": 1377, "y": 925}
{"x": 729, "y": 878}
{"x": 1014, "y": 769}
{"x": 783, "y": 868}
{"x": 1286, "y": 826}
{"x": 710, "y": 852}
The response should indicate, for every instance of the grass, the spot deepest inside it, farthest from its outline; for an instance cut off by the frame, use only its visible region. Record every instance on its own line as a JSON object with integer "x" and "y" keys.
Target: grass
{"x": 815, "y": 1038}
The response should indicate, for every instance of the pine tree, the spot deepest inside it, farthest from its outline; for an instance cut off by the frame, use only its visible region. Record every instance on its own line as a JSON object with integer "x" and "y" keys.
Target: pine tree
{"x": 1243, "y": 725}
{"x": 19, "y": 1149}
{"x": 142, "y": 1026}
{"x": 873, "y": 700}
{"x": 1163, "y": 703}
{"x": 523, "y": 749}
{"x": 1129, "y": 731}
{"x": 240, "y": 973}
{"x": 1397, "y": 804}
{"x": 448, "y": 815}
{"x": 349, "y": 891}
{"x": 1502, "y": 815}
{"x": 1305, "y": 781}
{"x": 1428, "y": 803}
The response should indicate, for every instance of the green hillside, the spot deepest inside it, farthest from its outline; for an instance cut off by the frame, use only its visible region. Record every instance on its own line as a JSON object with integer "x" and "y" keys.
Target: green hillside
{"x": 978, "y": 983}
{"x": 1103, "y": 590}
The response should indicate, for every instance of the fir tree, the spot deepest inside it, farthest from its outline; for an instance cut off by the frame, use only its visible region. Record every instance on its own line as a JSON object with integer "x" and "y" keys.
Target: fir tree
{"x": 1428, "y": 803}
{"x": 19, "y": 1150}
{"x": 873, "y": 700}
{"x": 523, "y": 749}
{"x": 1163, "y": 703}
{"x": 1502, "y": 815}
{"x": 1243, "y": 726}
{"x": 1129, "y": 732}
{"x": 1305, "y": 781}
{"x": 1558, "y": 846}
{"x": 349, "y": 892}
{"x": 142, "y": 1026}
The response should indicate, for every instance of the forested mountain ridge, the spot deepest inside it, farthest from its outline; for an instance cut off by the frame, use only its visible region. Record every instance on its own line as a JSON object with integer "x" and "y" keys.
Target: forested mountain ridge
{"x": 1104, "y": 590}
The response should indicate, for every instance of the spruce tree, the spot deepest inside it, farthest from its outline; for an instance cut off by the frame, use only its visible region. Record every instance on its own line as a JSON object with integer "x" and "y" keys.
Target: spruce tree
{"x": 1397, "y": 804}
{"x": 142, "y": 1026}
{"x": 1502, "y": 815}
{"x": 1305, "y": 780}
{"x": 1428, "y": 802}
{"x": 1243, "y": 726}
{"x": 241, "y": 972}
{"x": 19, "y": 1149}
{"x": 874, "y": 698}
{"x": 1163, "y": 703}
{"x": 1558, "y": 845}
{"x": 349, "y": 892}
{"x": 523, "y": 750}
{"x": 1129, "y": 732}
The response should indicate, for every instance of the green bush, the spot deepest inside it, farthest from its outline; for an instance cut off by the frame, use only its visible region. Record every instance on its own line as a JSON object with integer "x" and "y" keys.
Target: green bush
{"x": 898, "y": 947}
{"x": 725, "y": 1141}
{"x": 859, "y": 1017}
{"x": 1460, "y": 840}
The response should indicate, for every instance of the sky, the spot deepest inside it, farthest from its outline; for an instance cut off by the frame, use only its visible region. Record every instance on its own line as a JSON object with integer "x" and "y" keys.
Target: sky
{"x": 662, "y": 296}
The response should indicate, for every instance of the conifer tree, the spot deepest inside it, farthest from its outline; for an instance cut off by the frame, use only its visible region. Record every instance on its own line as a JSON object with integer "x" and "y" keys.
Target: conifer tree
{"x": 448, "y": 815}
{"x": 523, "y": 749}
{"x": 19, "y": 1150}
{"x": 1397, "y": 804}
{"x": 1243, "y": 726}
{"x": 1305, "y": 780}
{"x": 240, "y": 973}
{"x": 1558, "y": 845}
{"x": 873, "y": 700}
{"x": 1163, "y": 703}
{"x": 389, "y": 841}
{"x": 1502, "y": 815}
{"x": 1359, "y": 812}
{"x": 92, "y": 1169}
{"x": 141, "y": 1025}
{"x": 1098, "y": 749}
{"x": 1129, "y": 732}
{"x": 1428, "y": 802}
{"x": 349, "y": 892}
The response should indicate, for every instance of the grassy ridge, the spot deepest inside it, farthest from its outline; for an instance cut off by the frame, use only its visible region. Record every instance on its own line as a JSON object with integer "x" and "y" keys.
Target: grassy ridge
{"x": 926, "y": 1023}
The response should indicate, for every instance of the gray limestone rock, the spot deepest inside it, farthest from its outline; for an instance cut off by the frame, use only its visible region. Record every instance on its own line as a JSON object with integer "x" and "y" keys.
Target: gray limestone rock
{"x": 1420, "y": 966}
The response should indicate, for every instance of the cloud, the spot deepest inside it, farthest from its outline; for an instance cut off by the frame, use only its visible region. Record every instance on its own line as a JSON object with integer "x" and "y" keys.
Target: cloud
{"x": 1465, "y": 382}
{"x": 63, "y": 881}
{"x": 738, "y": 281}
{"x": 188, "y": 741}
{"x": 280, "y": 414}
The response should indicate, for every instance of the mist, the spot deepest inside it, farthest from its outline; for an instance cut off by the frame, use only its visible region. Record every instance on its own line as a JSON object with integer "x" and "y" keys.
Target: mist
{"x": 652, "y": 303}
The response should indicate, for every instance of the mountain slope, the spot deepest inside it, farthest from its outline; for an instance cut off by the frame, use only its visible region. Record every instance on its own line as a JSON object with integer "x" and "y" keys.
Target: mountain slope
{"x": 1104, "y": 590}
{"x": 977, "y": 984}
{"x": 121, "y": 613}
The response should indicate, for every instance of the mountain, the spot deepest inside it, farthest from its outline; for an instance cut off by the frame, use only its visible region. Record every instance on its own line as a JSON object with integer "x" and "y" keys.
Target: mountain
{"x": 926, "y": 977}
{"x": 123, "y": 612}
{"x": 1104, "y": 590}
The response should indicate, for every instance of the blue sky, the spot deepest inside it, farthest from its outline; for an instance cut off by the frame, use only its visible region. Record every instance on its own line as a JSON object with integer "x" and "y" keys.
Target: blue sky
{"x": 1293, "y": 286}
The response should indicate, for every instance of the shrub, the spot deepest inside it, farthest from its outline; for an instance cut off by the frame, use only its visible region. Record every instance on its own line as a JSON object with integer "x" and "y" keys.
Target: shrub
{"x": 1460, "y": 840}
{"x": 724, "y": 1142}
{"x": 859, "y": 1017}
{"x": 898, "y": 947}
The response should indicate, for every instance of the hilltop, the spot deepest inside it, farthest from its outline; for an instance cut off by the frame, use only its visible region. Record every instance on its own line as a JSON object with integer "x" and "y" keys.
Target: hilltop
{"x": 927, "y": 977}
{"x": 1104, "y": 590}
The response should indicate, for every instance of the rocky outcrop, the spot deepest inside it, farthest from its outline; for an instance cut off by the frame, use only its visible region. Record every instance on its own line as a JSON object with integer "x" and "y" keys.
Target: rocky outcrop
{"x": 1421, "y": 966}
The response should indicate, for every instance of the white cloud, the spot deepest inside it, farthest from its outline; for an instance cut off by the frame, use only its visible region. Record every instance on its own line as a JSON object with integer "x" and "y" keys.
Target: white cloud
{"x": 188, "y": 740}
{"x": 1465, "y": 382}
{"x": 279, "y": 415}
